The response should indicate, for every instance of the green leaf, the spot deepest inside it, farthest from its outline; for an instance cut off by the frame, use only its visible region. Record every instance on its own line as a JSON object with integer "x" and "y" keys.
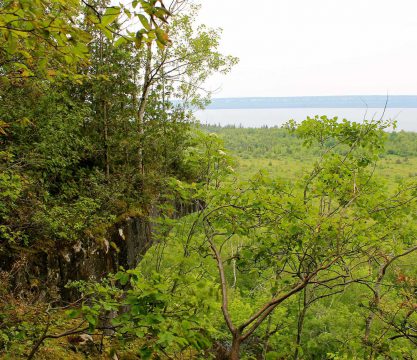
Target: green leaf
{"x": 120, "y": 41}
{"x": 161, "y": 14}
{"x": 145, "y": 353}
{"x": 111, "y": 14}
{"x": 160, "y": 45}
{"x": 128, "y": 13}
{"x": 162, "y": 36}
{"x": 72, "y": 314}
{"x": 91, "y": 319}
{"x": 144, "y": 21}
{"x": 122, "y": 277}
{"x": 139, "y": 39}
{"x": 272, "y": 355}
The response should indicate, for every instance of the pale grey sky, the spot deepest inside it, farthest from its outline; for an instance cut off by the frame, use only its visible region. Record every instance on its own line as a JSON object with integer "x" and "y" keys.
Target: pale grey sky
{"x": 316, "y": 47}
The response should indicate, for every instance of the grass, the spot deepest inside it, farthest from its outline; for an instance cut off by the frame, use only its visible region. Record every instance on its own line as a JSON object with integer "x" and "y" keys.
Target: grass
{"x": 392, "y": 168}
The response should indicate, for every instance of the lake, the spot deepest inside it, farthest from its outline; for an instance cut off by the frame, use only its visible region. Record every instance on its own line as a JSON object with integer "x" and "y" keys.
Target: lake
{"x": 406, "y": 117}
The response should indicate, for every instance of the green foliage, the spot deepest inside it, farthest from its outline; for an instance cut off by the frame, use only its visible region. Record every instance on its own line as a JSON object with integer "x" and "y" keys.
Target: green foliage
{"x": 278, "y": 143}
{"x": 329, "y": 229}
{"x": 302, "y": 248}
{"x": 38, "y": 35}
{"x": 78, "y": 157}
{"x": 46, "y": 38}
{"x": 147, "y": 310}
{"x": 273, "y": 236}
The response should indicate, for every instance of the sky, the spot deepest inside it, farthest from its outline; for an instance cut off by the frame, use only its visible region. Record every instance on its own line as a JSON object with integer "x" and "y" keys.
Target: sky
{"x": 315, "y": 47}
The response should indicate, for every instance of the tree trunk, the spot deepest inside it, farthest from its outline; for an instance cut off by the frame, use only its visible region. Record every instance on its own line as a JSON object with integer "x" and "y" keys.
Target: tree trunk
{"x": 267, "y": 336}
{"x": 300, "y": 324}
{"x": 142, "y": 104}
{"x": 234, "y": 353}
{"x": 106, "y": 141}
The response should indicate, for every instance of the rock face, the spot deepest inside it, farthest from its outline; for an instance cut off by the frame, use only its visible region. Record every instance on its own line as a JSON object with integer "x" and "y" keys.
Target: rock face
{"x": 133, "y": 238}
{"x": 47, "y": 272}
{"x": 127, "y": 243}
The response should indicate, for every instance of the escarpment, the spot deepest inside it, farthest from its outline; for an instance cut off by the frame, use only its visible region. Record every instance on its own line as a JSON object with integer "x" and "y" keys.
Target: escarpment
{"x": 46, "y": 270}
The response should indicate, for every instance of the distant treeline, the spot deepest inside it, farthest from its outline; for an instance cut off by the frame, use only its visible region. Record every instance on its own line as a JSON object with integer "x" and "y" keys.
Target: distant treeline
{"x": 271, "y": 142}
{"x": 355, "y": 101}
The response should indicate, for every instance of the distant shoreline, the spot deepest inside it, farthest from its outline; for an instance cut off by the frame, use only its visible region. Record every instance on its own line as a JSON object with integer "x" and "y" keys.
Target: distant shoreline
{"x": 353, "y": 101}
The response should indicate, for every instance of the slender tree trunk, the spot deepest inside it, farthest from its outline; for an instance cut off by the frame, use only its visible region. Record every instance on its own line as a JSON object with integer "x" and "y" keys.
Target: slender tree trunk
{"x": 234, "y": 353}
{"x": 146, "y": 83}
{"x": 143, "y": 101}
{"x": 300, "y": 324}
{"x": 374, "y": 303}
{"x": 104, "y": 114}
{"x": 234, "y": 267}
{"x": 267, "y": 336}
{"x": 106, "y": 140}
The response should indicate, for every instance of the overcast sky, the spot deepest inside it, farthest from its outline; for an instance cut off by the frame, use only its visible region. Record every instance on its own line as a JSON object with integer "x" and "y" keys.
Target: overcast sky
{"x": 316, "y": 47}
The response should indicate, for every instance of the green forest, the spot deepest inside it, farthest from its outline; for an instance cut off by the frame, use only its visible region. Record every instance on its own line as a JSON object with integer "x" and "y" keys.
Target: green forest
{"x": 129, "y": 231}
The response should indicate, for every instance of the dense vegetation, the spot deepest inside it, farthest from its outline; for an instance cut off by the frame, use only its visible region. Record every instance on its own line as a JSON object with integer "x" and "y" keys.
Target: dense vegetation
{"x": 276, "y": 142}
{"x": 128, "y": 232}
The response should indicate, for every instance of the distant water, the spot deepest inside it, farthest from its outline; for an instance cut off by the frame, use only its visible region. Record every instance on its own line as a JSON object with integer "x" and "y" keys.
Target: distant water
{"x": 321, "y": 102}
{"x": 406, "y": 117}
